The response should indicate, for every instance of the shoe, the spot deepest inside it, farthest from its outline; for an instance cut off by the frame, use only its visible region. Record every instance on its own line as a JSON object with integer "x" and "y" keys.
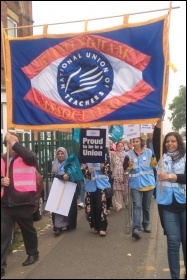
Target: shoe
{"x": 30, "y": 260}
{"x": 94, "y": 231}
{"x": 108, "y": 212}
{"x": 81, "y": 205}
{"x": 136, "y": 235}
{"x": 148, "y": 230}
{"x": 57, "y": 232}
{"x": 102, "y": 233}
{"x": 2, "y": 272}
{"x": 118, "y": 209}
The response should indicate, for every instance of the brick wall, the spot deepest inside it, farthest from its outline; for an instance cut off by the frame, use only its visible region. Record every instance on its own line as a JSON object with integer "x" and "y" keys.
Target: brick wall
{"x": 20, "y": 12}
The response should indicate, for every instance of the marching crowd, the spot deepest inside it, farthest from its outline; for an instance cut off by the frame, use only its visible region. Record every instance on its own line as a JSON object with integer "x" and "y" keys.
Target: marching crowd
{"x": 136, "y": 165}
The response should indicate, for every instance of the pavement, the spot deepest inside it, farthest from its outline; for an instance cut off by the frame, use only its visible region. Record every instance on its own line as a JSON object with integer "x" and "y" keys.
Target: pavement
{"x": 81, "y": 255}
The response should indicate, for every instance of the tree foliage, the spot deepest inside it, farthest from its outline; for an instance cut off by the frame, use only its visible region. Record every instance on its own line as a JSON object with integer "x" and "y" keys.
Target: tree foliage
{"x": 183, "y": 133}
{"x": 178, "y": 109}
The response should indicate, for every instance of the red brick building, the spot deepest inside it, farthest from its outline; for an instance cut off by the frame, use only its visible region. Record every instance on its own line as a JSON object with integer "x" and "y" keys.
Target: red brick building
{"x": 13, "y": 14}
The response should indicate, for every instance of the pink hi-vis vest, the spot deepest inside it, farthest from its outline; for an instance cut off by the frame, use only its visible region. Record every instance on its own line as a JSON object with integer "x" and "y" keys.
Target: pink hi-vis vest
{"x": 24, "y": 176}
{"x": 2, "y": 174}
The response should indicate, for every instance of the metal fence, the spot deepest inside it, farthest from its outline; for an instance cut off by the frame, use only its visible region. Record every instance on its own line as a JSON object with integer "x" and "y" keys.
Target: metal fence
{"x": 45, "y": 148}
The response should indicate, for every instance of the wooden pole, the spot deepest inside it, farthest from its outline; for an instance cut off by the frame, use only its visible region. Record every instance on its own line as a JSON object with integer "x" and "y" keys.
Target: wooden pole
{"x": 5, "y": 71}
{"x": 61, "y": 194}
{"x": 163, "y": 89}
{"x": 92, "y": 19}
{"x": 35, "y": 132}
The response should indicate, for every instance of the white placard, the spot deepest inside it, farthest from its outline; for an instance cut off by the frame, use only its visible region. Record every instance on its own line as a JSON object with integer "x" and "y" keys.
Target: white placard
{"x": 131, "y": 131}
{"x": 60, "y": 197}
{"x": 146, "y": 128}
{"x": 107, "y": 137}
{"x": 93, "y": 133}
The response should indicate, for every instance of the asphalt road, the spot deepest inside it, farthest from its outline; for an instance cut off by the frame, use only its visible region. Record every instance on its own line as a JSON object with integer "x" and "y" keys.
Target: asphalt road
{"x": 80, "y": 254}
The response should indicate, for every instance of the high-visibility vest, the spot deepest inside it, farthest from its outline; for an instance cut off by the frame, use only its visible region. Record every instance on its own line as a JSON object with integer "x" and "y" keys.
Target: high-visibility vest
{"x": 98, "y": 179}
{"x": 24, "y": 176}
{"x": 169, "y": 188}
{"x": 142, "y": 175}
{"x": 2, "y": 174}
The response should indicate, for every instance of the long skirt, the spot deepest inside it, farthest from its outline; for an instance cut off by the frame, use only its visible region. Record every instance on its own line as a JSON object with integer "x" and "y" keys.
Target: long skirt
{"x": 70, "y": 221}
{"x": 95, "y": 209}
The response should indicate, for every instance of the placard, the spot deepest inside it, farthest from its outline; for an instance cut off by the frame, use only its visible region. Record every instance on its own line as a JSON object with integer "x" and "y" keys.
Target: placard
{"x": 92, "y": 145}
{"x": 131, "y": 131}
{"x": 146, "y": 128}
{"x": 60, "y": 197}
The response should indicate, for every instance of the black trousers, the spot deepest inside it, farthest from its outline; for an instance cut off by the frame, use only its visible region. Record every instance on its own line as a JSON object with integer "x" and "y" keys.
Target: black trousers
{"x": 23, "y": 215}
{"x": 96, "y": 209}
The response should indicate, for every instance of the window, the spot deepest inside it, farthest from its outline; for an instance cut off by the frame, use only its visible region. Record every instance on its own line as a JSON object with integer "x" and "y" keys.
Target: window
{"x": 1, "y": 115}
{"x": 11, "y": 23}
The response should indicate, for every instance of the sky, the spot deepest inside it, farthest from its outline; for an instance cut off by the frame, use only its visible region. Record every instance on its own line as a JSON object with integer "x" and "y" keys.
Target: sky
{"x": 53, "y": 12}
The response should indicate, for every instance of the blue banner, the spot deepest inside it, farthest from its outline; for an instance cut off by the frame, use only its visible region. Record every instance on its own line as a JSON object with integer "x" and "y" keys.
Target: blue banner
{"x": 114, "y": 76}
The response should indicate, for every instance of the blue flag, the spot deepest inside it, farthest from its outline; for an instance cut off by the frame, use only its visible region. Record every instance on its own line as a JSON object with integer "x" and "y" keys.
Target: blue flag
{"x": 104, "y": 77}
{"x": 76, "y": 134}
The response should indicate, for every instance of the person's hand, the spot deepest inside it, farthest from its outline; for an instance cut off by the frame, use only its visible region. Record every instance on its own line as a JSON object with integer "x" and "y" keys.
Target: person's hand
{"x": 66, "y": 177}
{"x": 5, "y": 182}
{"x": 10, "y": 138}
{"x": 83, "y": 166}
{"x": 131, "y": 162}
{"x": 91, "y": 169}
{"x": 112, "y": 153}
{"x": 163, "y": 176}
{"x": 158, "y": 124}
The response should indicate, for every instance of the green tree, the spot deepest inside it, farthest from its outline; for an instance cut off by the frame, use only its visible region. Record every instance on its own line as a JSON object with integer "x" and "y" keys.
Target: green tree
{"x": 178, "y": 109}
{"x": 183, "y": 133}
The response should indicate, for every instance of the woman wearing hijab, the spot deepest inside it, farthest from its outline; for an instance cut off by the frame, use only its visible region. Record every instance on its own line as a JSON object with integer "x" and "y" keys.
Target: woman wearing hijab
{"x": 62, "y": 222}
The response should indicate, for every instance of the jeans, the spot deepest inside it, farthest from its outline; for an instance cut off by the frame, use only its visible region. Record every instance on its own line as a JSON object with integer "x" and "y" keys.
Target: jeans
{"x": 82, "y": 192}
{"x": 175, "y": 228}
{"x": 141, "y": 209}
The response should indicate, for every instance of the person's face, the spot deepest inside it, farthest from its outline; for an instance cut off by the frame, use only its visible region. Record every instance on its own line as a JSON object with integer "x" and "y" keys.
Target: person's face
{"x": 171, "y": 144}
{"x": 61, "y": 156}
{"x": 123, "y": 141}
{"x": 150, "y": 136}
{"x": 120, "y": 147}
{"x": 110, "y": 144}
{"x": 129, "y": 145}
{"x": 136, "y": 143}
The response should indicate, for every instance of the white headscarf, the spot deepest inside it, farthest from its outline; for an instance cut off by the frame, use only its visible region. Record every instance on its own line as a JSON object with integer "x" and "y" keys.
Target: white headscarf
{"x": 55, "y": 163}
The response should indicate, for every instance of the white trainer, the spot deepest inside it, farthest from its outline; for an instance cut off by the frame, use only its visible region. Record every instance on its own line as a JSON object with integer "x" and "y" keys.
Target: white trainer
{"x": 81, "y": 205}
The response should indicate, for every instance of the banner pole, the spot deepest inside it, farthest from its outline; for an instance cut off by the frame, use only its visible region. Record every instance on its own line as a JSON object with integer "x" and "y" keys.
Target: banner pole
{"x": 92, "y": 19}
{"x": 164, "y": 89}
{"x": 5, "y": 70}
